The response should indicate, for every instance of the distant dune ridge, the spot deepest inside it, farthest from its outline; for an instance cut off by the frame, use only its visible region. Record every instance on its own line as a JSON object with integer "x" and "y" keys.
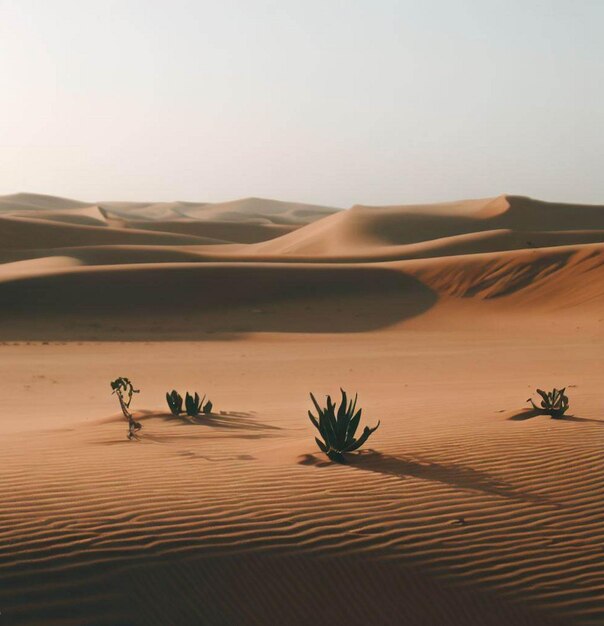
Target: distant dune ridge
{"x": 507, "y": 246}
{"x": 464, "y": 510}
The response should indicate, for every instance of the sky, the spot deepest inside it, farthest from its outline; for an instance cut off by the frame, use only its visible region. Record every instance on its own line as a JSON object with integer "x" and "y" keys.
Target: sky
{"x": 332, "y": 102}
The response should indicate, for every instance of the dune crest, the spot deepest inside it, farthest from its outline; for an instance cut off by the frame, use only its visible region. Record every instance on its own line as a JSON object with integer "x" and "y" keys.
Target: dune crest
{"x": 370, "y": 229}
{"x": 495, "y": 248}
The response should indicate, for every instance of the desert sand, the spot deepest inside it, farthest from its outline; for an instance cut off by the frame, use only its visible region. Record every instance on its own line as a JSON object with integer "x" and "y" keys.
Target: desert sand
{"x": 463, "y": 508}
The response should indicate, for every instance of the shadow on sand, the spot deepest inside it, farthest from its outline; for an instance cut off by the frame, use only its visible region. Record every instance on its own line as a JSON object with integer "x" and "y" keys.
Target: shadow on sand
{"x": 229, "y": 420}
{"x": 74, "y": 305}
{"x": 527, "y": 414}
{"x": 449, "y": 474}
{"x": 235, "y": 424}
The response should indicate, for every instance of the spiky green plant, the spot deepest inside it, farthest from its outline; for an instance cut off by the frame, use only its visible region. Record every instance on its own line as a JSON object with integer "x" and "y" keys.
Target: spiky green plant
{"x": 174, "y": 400}
{"x": 194, "y": 405}
{"x": 338, "y": 428}
{"x": 553, "y": 403}
{"x": 124, "y": 390}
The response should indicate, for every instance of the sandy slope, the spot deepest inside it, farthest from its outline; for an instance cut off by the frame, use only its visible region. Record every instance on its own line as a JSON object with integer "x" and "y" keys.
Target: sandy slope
{"x": 247, "y": 220}
{"x": 39, "y": 202}
{"x": 26, "y": 232}
{"x": 247, "y": 210}
{"x": 363, "y": 230}
{"x": 88, "y": 216}
{"x": 464, "y": 509}
{"x": 179, "y": 525}
{"x": 218, "y": 230}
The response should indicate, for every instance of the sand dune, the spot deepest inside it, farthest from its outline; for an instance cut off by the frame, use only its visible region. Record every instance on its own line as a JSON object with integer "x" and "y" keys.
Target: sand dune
{"x": 88, "y": 216}
{"x": 248, "y": 220}
{"x": 246, "y": 210}
{"x": 104, "y": 299}
{"x": 364, "y": 229}
{"x": 463, "y": 509}
{"x": 23, "y": 233}
{"x": 566, "y": 276}
{"x": 305, "y": 232}
{"x": 39, "y": 202}
{"x": 184, "y": 300}
{"x": 258, "y": 209}
{"x": 221, "y": 232}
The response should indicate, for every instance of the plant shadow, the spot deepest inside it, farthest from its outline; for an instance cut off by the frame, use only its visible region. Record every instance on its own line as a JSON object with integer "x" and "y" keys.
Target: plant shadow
{"x": 527, "y": 414}
{"x": 574, "y": 418}
{"x": 235, "y": 424}
{"x": 228, "y": 420}
{"x": 189, "y": 454}
{"x": 449, "y": 474}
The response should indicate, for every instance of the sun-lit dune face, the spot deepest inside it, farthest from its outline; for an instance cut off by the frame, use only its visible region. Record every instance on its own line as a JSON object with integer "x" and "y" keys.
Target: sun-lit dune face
{"x": 455, "y": 226}
{"x": 38, "y": 202}
{"x": 562, "y": 277}
{"x": 34, "y": 267}
{"x": 88, "y": 216}
{"x": 218, "y": 232}
{"x": 463, "y": 508}
{"x": 260, "y": 253}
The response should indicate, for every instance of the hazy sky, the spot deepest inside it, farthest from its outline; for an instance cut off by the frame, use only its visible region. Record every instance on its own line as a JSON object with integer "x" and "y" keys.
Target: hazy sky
{"x": 327, "y": 101}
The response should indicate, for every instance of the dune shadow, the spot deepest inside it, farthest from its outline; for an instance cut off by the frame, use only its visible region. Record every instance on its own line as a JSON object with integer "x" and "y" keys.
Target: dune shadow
{"x": 113, "y": 304}
{"x": 452, "y": 475}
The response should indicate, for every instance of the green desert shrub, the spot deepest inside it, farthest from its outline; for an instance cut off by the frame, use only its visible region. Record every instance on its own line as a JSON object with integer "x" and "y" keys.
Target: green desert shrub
{"x": 195, "y": 405}
{"x": 338, "y": 426}
{"x": 124, "y": 390}
{"x": 553, "y": 403}
{"x": 174, "y": 400}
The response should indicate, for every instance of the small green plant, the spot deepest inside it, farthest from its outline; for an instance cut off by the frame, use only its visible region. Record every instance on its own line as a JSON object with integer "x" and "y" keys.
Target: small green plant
{"x": 553, "y": 403}
{"x": 338, "y": 428}
{"x": 174, "y": 400}
{"x": 124, "y": 390}
{"x": 195, "y": 406}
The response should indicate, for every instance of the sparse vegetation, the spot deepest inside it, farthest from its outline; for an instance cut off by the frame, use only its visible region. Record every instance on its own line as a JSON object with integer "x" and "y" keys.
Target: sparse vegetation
{"x": 195, "y": 406}
{"x": 338, "y": 428}
{"x": 124, "y": 390}
{"x": 553, "y": 403}
{"x": 174, "y": 400}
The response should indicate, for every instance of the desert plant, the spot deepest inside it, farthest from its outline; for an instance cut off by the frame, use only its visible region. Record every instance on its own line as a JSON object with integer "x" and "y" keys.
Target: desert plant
{"x": 174, "y": 400}
{"x": 338, "y": 428}
{"x": 124, "y": 390}
{"x": 553, "y": 403}
{"x": 194, "y": 405}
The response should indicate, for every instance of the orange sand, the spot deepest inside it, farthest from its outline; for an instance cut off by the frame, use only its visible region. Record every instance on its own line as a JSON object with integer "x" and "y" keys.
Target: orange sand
{"x": 461, "y": 509}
